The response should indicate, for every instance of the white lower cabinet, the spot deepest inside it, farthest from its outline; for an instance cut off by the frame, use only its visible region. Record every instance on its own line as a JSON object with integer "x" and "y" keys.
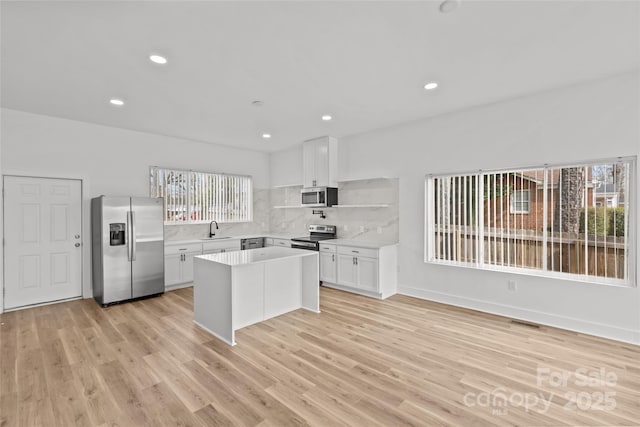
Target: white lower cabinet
{"x": 285, "y": 243}
{"x": 215, "y": 247}
{"x": 178, "y": 262}
{"x": 370, "y": 271}
{"x": 172, "y": 269}
{"x": 328, "y": 262}
{"x": 367, "y": 272}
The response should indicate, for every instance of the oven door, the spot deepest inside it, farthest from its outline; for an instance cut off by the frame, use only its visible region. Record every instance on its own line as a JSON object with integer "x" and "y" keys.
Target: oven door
{"x": 314, "y": 197}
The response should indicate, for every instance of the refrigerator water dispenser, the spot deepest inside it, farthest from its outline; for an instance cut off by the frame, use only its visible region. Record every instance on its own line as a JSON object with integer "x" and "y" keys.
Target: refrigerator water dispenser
{"x": 116, "y": 234}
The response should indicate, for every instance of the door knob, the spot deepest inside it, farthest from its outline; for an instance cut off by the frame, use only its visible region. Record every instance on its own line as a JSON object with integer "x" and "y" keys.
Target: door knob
{"x": 77, "y": 245}
{"x": 77, "y": 236}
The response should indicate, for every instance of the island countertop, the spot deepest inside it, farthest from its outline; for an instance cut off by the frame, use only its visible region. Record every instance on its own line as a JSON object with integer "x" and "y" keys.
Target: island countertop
{"x": 253, "y": 256}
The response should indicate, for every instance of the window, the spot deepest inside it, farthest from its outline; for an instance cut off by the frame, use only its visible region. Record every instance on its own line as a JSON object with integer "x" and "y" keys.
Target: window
{"x": 476, "y": 220}
{"x": 198, "y": 197}
{"x": 520, "y": 201}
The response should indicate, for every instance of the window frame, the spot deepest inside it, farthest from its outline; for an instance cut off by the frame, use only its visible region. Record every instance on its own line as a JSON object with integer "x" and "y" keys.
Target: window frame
{"x": 189, "y": 199}
{"x": 632, "y": 239}
{"x": 513, "y": 202}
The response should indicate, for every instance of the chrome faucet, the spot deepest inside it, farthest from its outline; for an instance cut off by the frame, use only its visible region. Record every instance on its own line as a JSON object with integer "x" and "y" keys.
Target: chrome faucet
{"x": 212, "y": 233}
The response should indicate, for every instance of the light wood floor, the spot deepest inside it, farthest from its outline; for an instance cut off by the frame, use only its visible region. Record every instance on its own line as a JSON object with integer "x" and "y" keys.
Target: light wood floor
{"x": 361, "y": 361}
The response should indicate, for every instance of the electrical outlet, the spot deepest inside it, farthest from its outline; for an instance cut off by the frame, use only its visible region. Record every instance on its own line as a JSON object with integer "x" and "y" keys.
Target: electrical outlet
{"x": 345, "y": 227}
{"x": 512, "y": 286}
{"x": 379, "y": 230}
{"x": 362, "y": 228}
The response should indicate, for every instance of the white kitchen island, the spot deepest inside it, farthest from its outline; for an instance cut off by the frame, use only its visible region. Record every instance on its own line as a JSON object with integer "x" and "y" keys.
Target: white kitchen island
{"x": 232, "y": 290}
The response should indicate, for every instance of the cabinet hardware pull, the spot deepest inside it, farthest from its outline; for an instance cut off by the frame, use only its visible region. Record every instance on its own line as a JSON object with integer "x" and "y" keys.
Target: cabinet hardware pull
{"x": 356, "y": 252}
{"x": 333, "y": 258}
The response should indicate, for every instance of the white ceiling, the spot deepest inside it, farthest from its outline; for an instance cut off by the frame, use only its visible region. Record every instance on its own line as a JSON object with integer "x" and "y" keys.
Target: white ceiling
{"x": 363, "y": 62}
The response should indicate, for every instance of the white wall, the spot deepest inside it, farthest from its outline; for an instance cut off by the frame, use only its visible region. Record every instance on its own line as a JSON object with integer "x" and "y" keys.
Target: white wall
{"x": 110, "y": 161}
{"x": 591, "y": 121}
{"x": 286, "y": 167}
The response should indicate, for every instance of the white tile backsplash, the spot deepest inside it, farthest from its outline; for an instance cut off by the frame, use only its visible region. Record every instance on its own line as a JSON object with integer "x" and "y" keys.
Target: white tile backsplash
{"x": 378, "y": 224}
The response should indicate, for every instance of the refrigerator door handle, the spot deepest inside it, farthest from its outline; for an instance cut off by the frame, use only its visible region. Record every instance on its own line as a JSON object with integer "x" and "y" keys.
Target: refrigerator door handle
{"x": 129, "y": 239}
{"x": 133, "y": 236}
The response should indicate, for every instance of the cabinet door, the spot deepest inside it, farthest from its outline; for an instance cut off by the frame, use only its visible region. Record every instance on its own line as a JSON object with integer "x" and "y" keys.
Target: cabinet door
{"x": 328, "y": 267}
{"x": 187, "y": 268}
{"x": 232, "y": 246}
{"x": 211, "y": 251}
{"x": 347, "y": 271}
{"x": 282, "y": 242}
{"x": 172, "y": 268}
{"x": 308, "y": 164}
{"x": 322, "y": 163}
{"x": 367, "y": 274}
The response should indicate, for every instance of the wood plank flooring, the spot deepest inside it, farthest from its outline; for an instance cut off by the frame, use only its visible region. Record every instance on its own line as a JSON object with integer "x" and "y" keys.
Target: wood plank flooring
{"x": 360, "y": 362}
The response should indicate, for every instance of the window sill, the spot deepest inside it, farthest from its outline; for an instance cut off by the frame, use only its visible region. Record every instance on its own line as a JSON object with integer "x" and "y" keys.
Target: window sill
{"x": 617, "y": 283}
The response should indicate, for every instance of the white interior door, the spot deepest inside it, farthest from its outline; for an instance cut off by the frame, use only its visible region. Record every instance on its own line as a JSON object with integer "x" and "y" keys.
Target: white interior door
{"x": 43, "y": 244}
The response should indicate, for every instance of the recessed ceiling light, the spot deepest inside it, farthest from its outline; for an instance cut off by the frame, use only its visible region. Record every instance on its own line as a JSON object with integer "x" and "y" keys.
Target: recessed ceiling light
{"x": 431, "y": 86}
{"x": 449, "y": 6}
{"x": 158, "y": 59}
{"x": 326, "y": 117}
{"x": 257, "y": 103}
{"x": 116, "y": 102}
{"x": 266, "y": 135}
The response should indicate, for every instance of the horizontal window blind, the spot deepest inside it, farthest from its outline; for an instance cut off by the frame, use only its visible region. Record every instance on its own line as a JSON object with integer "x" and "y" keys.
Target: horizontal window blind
{"x": 554, "y": 221}
{"x": 193, "y": 197}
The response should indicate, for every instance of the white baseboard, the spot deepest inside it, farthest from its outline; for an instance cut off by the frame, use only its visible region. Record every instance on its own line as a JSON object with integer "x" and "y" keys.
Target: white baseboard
{"x": 353, "y": 290}
{"x": 577, "y": 325}
{"x": 178, "y": 286}
{"x": 224, "y": 340}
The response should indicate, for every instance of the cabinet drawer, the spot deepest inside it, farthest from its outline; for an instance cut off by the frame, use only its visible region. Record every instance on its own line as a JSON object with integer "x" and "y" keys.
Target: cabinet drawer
{"x": 228, "y": 244}
{"x": 355, "y": 251}
{"x": 282, "y": 242}
{"x": 328, "y": 248}
{"x": 183, "y": 249}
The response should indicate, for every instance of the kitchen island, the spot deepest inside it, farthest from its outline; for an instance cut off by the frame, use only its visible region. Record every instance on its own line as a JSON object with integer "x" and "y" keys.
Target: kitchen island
{"x": 232, "y": 290}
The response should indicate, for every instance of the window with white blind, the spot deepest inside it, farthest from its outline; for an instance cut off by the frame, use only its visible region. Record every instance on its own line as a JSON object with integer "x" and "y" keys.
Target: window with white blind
{"x": 197, "y": 197}
{"x": 568, "y": 221}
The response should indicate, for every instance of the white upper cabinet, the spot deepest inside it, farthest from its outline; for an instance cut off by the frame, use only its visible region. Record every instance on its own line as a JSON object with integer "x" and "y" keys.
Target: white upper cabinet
{"x": 320, "y": 162}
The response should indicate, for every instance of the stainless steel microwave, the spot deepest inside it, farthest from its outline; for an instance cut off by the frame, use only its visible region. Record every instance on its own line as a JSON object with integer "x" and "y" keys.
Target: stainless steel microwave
{"x": 319, "y": 197}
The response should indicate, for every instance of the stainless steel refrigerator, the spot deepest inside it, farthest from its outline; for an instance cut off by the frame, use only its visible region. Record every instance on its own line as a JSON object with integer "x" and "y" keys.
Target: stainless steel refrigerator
{"x": 127, "y": 248}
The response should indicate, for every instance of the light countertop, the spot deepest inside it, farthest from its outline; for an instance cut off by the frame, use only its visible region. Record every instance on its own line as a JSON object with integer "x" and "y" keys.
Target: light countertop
{"x": 287, "y": 236}
{"x": 252, "y": 256}
{"x": 358, "y": 243}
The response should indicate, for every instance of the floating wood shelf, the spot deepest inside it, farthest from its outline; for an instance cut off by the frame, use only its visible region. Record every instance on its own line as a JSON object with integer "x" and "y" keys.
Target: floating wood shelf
{"x": 365, "y": 179}
{"x": 287, "y": 185}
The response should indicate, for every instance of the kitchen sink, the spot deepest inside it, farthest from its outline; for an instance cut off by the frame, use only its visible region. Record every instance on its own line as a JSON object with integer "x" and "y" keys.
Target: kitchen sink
{"x": 215, "y": 238}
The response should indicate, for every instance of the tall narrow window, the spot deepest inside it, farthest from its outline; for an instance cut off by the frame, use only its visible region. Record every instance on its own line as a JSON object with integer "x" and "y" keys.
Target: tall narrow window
{"x": 571, "y": 221}
{"x": 197, "y": 197}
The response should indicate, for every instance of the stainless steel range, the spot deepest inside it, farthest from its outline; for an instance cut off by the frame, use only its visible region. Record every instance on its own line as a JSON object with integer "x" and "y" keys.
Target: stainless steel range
{"x": 317, "y": 233}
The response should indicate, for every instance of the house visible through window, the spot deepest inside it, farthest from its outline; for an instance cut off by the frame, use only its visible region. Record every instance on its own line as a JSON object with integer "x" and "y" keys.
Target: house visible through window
{"x": 565, "y": 221}
{"x": 520, "y": 201}
{"x": 197, "y": 197}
